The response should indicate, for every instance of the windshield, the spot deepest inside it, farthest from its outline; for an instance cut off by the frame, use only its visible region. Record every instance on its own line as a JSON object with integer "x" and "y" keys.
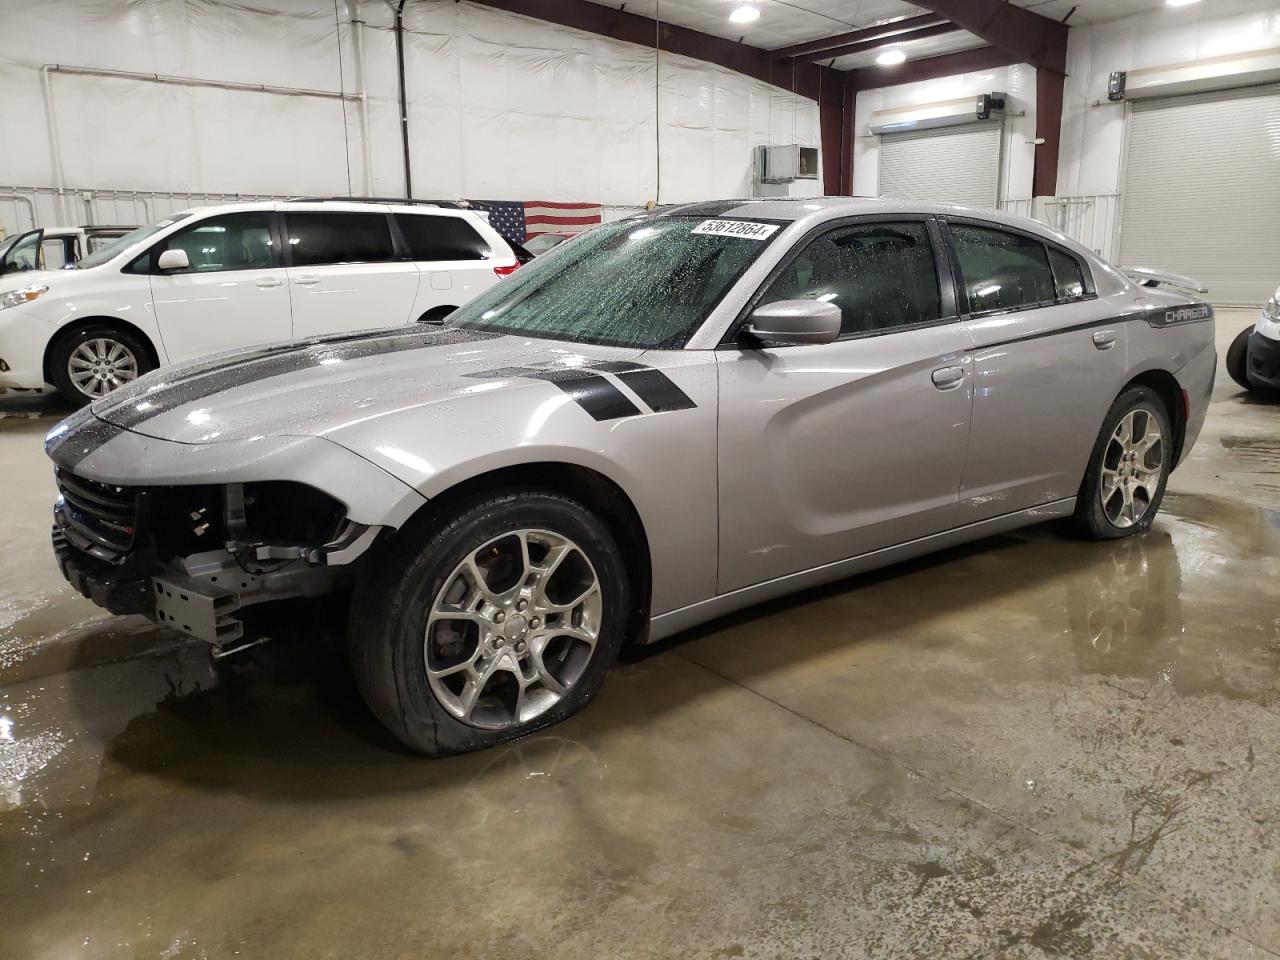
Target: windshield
{"x": 108, "y": 251}
{"x": 641, "y": 283}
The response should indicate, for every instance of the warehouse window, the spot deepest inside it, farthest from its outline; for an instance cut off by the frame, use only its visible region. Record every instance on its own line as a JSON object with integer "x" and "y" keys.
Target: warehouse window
{"x": 1001, "y": 270}
{"x": 881, "y": 276}
{"x": 237, "y": 241}
{"x": 1068, "y": 278}
{"x": 433, "y": 237}
{"x": 320, "y": 238}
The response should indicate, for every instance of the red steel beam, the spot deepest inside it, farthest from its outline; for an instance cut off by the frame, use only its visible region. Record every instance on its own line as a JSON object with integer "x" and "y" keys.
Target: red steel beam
{"x": 882, "y": 30}
{"x": 1044, "y": 178}
{"x": 805, "y": 79}
{"x": 937, "y": 30}
{"x": 1027, "y": 36}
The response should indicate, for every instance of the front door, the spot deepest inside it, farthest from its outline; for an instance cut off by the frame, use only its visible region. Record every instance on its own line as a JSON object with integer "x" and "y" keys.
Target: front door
{"x": 233, "y": 294}
{"x": 831, "y": 451}
{"x": 345, "y": 274}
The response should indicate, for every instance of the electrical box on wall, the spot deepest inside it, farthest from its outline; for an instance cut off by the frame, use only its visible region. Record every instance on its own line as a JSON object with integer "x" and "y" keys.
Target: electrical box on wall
{"x": 786, "y": 163}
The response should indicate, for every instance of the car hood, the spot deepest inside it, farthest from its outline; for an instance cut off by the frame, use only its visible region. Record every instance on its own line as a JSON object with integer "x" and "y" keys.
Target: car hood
{"x": 27, "y": 278}
{"x": 320, "y": 386}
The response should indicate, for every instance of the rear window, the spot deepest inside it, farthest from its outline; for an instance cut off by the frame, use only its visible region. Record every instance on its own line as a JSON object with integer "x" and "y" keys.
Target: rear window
{"x": 1068, "y": 278}
{"x": 319, "y": 238}
{"x": 433, "y": 237}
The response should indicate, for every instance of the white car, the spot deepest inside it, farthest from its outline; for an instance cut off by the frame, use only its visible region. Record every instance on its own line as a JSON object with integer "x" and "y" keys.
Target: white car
{"x": 210, "y": 279}
{"x": 52, "y": 248}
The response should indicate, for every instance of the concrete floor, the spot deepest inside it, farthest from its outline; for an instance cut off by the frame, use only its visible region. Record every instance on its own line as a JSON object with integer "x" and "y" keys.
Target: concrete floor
{"x": 1029, "y": 747}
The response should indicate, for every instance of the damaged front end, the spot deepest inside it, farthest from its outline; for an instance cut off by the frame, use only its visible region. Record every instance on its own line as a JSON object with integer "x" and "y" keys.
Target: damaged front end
{"x": 191, "y": 557}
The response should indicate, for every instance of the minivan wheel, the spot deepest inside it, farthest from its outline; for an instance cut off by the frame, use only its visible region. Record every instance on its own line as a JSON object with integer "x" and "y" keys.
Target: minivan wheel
{"x": 90, "y": 363}
{"x": 1129, "y": 468}
{"x": 1238, "y": 358}
{"x": 490, "y": 624}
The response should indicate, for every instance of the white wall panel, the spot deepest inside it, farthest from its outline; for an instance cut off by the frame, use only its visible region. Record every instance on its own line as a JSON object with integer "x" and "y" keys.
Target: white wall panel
{"x": 500, "y": 106}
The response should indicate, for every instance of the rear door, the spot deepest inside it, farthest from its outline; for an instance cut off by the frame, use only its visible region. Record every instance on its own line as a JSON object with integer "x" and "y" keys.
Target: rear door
{"x": 345, "y": 272}
{"x": 834, "y": 450}
{"x": 1049, "y": 358}
{"x": 454, "y": 260}
{"x": 233, "y": 293}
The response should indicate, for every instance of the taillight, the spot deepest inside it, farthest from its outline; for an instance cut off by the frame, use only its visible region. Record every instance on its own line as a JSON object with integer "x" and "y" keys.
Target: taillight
{"x": 506, "y": 271}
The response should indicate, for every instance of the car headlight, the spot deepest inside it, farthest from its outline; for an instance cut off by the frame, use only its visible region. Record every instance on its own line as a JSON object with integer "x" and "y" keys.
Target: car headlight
{"x": 25, "y": 295}
{"x": 1272, "y": 310}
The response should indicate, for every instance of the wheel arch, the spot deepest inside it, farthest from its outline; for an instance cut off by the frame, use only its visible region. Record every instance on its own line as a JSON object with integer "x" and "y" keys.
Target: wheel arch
{"x": 1167, "y": 388}
{"x": 604, "y": 497}
{"x": 436, "y": 314}
{"x": 83, "y": 323}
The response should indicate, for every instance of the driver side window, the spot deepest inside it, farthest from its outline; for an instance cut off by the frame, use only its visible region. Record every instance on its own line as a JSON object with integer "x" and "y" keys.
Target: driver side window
{"x": 236, "y": 241}
{"x": 881, "y": 275}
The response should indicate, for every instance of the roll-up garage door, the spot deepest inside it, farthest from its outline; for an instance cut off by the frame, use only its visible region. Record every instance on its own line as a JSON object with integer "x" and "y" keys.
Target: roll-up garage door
{"x": 950, "y": 165}
{"x": 1201, "y": 191}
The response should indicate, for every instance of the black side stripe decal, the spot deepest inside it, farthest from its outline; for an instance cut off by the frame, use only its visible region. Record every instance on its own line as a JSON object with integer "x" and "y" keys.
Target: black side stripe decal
{"x": 592, "y": 392}
{"x": 652, "y": 386}
{"x": 69, "y": 448}
{"x": 1158, "y": 319}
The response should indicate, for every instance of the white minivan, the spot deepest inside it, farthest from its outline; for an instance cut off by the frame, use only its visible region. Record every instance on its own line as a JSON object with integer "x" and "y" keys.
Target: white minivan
{"x": 214, "y": 278}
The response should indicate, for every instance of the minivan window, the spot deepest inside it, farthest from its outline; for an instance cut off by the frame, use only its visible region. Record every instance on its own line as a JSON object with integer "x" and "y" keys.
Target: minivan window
{"x": 234, "y": 241}
{"x": 880, "y": 275}
{"x": 109, "y": 251}
{"x": 1068, "y": 279}
{"x": 1002, "y": 270}
{"x": 320, "y": 238}
{"x": 434, "y": 237}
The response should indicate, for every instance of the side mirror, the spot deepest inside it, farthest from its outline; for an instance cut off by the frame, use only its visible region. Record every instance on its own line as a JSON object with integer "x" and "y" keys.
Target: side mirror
{"x": 788, "y": 323}
{"x": 173, "y": 260}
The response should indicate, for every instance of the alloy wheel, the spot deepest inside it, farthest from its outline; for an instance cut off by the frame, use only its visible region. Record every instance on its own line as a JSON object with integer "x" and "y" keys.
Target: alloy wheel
{"x": 513, "y": 628}
{"x": 1132, "y": 465}
{"x": 98, "y": 366}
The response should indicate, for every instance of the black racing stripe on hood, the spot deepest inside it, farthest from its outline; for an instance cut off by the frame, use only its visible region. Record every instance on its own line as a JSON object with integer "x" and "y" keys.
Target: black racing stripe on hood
{"x": 80, "y": 439}
{"x": 652, "y": 386}
{"x": 592, "y": 392}
{"x": 243, "y": 370}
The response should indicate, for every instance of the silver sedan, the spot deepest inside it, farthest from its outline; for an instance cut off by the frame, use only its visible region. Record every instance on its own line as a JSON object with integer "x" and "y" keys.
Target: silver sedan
{"x": 670, "y": 418}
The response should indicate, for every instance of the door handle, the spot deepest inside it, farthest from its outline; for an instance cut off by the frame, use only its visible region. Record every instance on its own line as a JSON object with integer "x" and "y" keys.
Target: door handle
{"x": 948, "y": 378}
{"x": 306, "y": 280}
{"x": 1104, "y": 339}
{"x": 266, "y": 282}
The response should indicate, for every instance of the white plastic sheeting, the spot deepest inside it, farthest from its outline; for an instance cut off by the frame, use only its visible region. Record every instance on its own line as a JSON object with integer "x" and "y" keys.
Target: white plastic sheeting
{"x": 500, "y": 106}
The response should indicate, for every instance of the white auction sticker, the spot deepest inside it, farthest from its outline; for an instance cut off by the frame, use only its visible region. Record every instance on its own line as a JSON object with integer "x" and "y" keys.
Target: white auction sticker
{"x": 736, "y": 228}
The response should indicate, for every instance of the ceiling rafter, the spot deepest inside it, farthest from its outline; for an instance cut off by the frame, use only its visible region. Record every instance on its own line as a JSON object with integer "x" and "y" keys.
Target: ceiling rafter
{"x": 894, "y": 30}
{"x": 1030, "y": 37}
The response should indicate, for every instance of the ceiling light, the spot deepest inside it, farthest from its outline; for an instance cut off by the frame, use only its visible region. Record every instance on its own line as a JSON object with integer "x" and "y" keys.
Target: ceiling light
{"x": 1180, "y": 3}
{"x": 745, "y": 14}
{"x": 891, "y": 57}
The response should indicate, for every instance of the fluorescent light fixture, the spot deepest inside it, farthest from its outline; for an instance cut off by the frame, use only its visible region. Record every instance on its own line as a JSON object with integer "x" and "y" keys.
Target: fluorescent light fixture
{"x": 745, "y": 14}
{"x": 1180, "y": 3}
{"x": 891, "y": 57}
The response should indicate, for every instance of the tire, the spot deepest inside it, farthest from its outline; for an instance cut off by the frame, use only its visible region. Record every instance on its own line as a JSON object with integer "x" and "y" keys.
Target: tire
{"x": 394, "y": 633}
{"x": 1238, "y": 358}
{"x": 1096, "y": 521}
{"x": 110, "y": 344}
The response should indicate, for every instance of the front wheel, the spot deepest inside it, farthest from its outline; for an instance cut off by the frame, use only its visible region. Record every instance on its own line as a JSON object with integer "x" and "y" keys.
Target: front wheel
{"x": 1128, "y": 469}
{"x": 92, "y": 362}
{"x": 490, "y": 624}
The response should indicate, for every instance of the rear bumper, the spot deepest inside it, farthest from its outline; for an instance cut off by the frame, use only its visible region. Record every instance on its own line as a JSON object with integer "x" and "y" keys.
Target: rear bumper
{"x": 1263, "y": 362}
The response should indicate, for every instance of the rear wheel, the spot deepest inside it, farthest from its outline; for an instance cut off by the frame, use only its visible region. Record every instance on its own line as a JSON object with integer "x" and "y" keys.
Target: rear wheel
{"x": 1238, "y": 358}
{"x": 490, "y": 625}
{"x": 1129, "y": 468}
{"x": 92, "y": 362}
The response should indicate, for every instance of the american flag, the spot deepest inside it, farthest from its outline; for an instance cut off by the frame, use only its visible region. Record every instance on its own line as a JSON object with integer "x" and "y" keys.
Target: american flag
{"x": 519, "y": 220}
